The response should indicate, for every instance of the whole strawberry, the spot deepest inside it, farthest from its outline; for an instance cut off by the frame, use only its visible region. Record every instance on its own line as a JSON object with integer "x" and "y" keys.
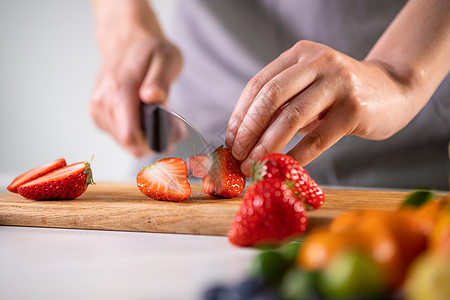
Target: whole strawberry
{"x": 269, "y": 215}
{"x": 224, "y": 178}
{"x": 167, "y": 179}
{"x": 286, "y": 168}
{"x": 67, "y": 182}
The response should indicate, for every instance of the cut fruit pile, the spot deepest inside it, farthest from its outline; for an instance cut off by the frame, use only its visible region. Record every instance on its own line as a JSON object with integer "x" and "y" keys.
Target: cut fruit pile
{"x": 55, "y": 180}
{"x": 273, "y": 209}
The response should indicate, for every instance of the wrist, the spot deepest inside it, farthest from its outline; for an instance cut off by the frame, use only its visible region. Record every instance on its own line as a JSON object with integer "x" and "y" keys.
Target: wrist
{"x": 120, "y": 21}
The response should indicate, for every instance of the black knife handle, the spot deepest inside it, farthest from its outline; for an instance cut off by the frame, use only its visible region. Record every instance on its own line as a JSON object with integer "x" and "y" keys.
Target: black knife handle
{"x": 155, "y": 124}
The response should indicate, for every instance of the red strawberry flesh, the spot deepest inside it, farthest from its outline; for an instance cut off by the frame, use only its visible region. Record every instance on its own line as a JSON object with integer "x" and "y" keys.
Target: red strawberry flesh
{"x": 67, "y": 182}
{"x": 199, "y": 165}
{"x": 35, "y": 173}
{"x": 167, "y": 179}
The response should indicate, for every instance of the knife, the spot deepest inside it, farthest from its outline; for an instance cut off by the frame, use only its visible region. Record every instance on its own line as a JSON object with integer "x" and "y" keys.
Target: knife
{"x": 169, "y": 134}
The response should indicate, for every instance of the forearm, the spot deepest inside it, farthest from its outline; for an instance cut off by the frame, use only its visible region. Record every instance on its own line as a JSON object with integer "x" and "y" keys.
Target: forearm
{"x": 415, "y": 48}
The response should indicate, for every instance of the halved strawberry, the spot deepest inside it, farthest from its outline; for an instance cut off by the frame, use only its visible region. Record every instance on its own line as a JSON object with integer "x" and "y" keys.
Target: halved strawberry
{"x": 35, "y": 173}
{"x": 67, "y": 182}
{"x": 199, "y": 165}
{"x": 286, "y": 168}
{"x": 269, "y": 215}
{"x": 224, "y": 178}
{"x": 167, "y": 179}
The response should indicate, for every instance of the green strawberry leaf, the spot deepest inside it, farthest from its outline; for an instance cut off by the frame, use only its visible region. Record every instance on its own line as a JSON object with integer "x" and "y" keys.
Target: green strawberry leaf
{"x": 418, "y": 198}
{"x": 257, "y": 171}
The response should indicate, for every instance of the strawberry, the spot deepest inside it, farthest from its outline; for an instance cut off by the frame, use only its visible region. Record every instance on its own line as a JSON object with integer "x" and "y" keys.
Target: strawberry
{"x": 224, "y": 178}
{"x": 35, "y": 173}
{"x": 199, "y": 165}
{"x": 67, "y": 182}
{"x": 310, "y": 193}
{"x": 270, "y": 214}
{"x": 284, "y": 167}
{"x": 167, "y": 179}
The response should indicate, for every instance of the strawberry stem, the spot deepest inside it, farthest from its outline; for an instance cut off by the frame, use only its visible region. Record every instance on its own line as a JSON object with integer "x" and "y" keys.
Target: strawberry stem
{"x": 257, "y": 171}
{"x": 88, "y": 172}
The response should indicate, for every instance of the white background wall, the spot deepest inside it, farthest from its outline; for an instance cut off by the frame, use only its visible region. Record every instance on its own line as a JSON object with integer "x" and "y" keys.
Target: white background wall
{"x": 48, "y": 65}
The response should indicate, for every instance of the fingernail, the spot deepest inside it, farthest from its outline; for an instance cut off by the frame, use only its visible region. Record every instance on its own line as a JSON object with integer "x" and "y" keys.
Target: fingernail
{"x": 229, "y": 139}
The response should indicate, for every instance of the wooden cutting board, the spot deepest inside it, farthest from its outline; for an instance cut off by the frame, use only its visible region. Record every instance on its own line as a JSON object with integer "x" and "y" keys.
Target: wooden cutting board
{"x": 113, "y": 206}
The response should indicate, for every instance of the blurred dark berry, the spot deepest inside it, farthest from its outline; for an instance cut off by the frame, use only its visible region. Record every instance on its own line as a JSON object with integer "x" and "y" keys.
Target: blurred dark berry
{"x": 217, "y": 292}
{"x": 269, "y": 293}
{"x": 248, "y": 287}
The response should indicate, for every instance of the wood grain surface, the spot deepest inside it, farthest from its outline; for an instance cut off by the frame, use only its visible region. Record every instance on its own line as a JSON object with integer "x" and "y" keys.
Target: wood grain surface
{"x": 115, "y": 206}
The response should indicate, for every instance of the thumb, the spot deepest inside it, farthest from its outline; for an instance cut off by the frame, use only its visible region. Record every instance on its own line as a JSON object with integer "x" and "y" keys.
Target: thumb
{"x": 153, "y": 92}
{"x": 164, "y": 67}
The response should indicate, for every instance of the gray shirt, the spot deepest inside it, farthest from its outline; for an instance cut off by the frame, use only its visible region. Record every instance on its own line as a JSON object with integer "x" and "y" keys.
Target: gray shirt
{"x": 225, "y": 43}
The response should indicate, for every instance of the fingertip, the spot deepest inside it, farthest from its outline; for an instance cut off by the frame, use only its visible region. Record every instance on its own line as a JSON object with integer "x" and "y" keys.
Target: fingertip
{"x": 246, "y": 167}
{"x": 229, "y": 139}
{"x": 233, "y": 126}
{"x": 238, "y": 152}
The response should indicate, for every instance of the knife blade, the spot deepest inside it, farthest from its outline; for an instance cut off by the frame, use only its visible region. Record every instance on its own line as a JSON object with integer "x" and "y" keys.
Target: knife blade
{"x": 169, "y": 134}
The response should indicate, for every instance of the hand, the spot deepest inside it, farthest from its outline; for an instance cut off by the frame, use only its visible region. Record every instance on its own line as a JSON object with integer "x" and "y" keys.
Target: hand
{"x": 318, "y": 91}
{"x": 139, "y": 64}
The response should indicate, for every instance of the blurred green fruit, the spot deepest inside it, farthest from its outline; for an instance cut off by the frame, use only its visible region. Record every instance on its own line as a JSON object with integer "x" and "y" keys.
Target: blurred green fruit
{"x": 269, "y": 265}
{"x": 298, "y": 285}
{"x": 429, "y": 278}
{"x": 290, "y": 251}
{"x": 350, "y": 274}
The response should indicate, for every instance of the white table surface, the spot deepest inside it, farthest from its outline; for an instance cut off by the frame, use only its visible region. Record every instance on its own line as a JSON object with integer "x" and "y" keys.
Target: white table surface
{"x": 46, "y": 263}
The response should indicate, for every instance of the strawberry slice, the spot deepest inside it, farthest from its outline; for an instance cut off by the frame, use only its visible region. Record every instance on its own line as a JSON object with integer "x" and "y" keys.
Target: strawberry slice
{"x": 67, "y": 182}
{"x": 35, "y": 173}
{"x": 199, "y": 165}
{"x": 224, "y": 178}
{"x": 167, "y": 179}
{"x": 270, "y": 214}
{"x": 284, "y": 167}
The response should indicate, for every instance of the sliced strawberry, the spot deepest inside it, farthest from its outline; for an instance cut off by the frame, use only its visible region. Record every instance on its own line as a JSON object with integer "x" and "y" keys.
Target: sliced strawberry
{"x": 284, "y": 167}
{"x": 208, "y": 185}
{"x": 167, "y": 179}
{"x": 35, "y": 173}
{"x": 67, "y": 182}
{"x": 199, "y": 165}
{"x": 224, "y": 178}
{"x": 269, "y": 215}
